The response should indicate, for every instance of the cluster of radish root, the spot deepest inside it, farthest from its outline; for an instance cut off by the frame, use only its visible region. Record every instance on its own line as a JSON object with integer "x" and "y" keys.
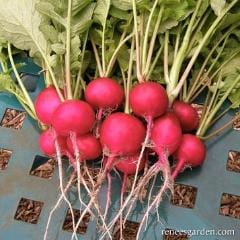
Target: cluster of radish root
{"x": 82, "y": 131}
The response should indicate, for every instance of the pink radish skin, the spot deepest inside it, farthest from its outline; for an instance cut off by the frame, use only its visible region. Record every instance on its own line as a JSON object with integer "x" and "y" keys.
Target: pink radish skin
{"x": 148, "y": 99}
{"x": 73, "y": 116}
{"x": 166, "y": 135}
{"x": 187, "y": 116}
{"x": 89, "y": 147}
{"x": 103, "y": 93}
{"x": 46, "y": 103}
{"x": 47, "y": 143}
{"x": 121, "y": 134}
{"x": 128, "y": 165}
{"x": 191, "y": 152}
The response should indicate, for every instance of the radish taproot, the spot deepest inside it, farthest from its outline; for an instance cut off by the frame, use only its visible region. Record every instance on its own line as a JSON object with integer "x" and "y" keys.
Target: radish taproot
{"x": 148, "y": 100}
{"x": 46, "y": 103}
{"x": 191, "y": 153}
{"x": 89, "y": 147}
{"x": 166, "y": 137}
{"x": 73, "y": 116}
{"x": 187, "y": 115}
{"x": 121, "y": 134}
{"x": 47, "y": 143}
{"x": 128, "y": 165}
{"x": 104, "y": 93}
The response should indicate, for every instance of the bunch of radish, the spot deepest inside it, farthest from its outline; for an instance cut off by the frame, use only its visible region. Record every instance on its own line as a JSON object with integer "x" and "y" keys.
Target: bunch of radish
{"x": 132, "y": 100}
{"x": 122, "y": 139}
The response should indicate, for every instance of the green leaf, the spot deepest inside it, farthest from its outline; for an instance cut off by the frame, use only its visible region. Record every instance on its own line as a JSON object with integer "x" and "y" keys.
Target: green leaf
{"x": 49, "y": 32}
{"x": 19, "y": 24}
{"x": 218, "y": 6}
{"x": 123, "y": 4}
{"x": 58, "y": 48}
{"x": 101, "y": 11}
{"x": 75, "y": 50}
{"x": 5, "y": 82}
{"x": 79, "y": 5}
{"x": 231, "y": 67}
{"x": 83, "y": 20}
{"x": 234, "y": 97}
{"x": 53, "y": 60}
{"x": 119, "y": 13}
{"x": 229, "y": 20}
{"x": 48, "y": 10}
{"x": 167, "y": 25}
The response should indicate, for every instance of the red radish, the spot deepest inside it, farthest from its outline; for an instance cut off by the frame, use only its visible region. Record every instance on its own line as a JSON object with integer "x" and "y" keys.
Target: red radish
{"x": 121, "y": 134}
{"x": 104, "y": 93}
{"x": 46, "y": 103}
{"x": 47, "y": 143}
{"x": 128, "y": 165}
{"x": 148, "y": 99}
{"x": 191, "y": 152}
{"x": 73, "y": 116}
{"x": 187, "y": 115}
{"x": 166, "y": 135}
{"x": 88, "y": 146}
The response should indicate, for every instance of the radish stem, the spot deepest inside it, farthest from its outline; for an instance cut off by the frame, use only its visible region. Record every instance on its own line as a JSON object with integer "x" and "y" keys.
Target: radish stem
{"x": 146, "y": 34}
{"x": 99, "y": 66}
{"x": 68, "y": 51}
{"x": 206, "y": 37}
{"x": 138, "y": 62}
{"x": 25, "y": 93}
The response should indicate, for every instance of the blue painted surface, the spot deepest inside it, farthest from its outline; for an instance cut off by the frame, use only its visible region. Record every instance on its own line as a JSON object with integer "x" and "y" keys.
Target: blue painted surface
{"x": 212, "y": 180}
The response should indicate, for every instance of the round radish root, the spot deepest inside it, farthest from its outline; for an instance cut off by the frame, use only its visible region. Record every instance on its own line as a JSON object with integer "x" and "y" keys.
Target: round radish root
{"x": 104, "y": 93}
{"x": 46, "y": 103}
{"x": 89, "y": 147}
{"x": 121, "y": 134}
{"x": 73, "y": 116}
{"x": 148, "y": 99}
{"x": 187, "y": 116}
{"x": 128, "y": 165}
{"x": 191, "y": 152}
{"x": 166, "y": 135}
{"x": 47, "y": 143}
